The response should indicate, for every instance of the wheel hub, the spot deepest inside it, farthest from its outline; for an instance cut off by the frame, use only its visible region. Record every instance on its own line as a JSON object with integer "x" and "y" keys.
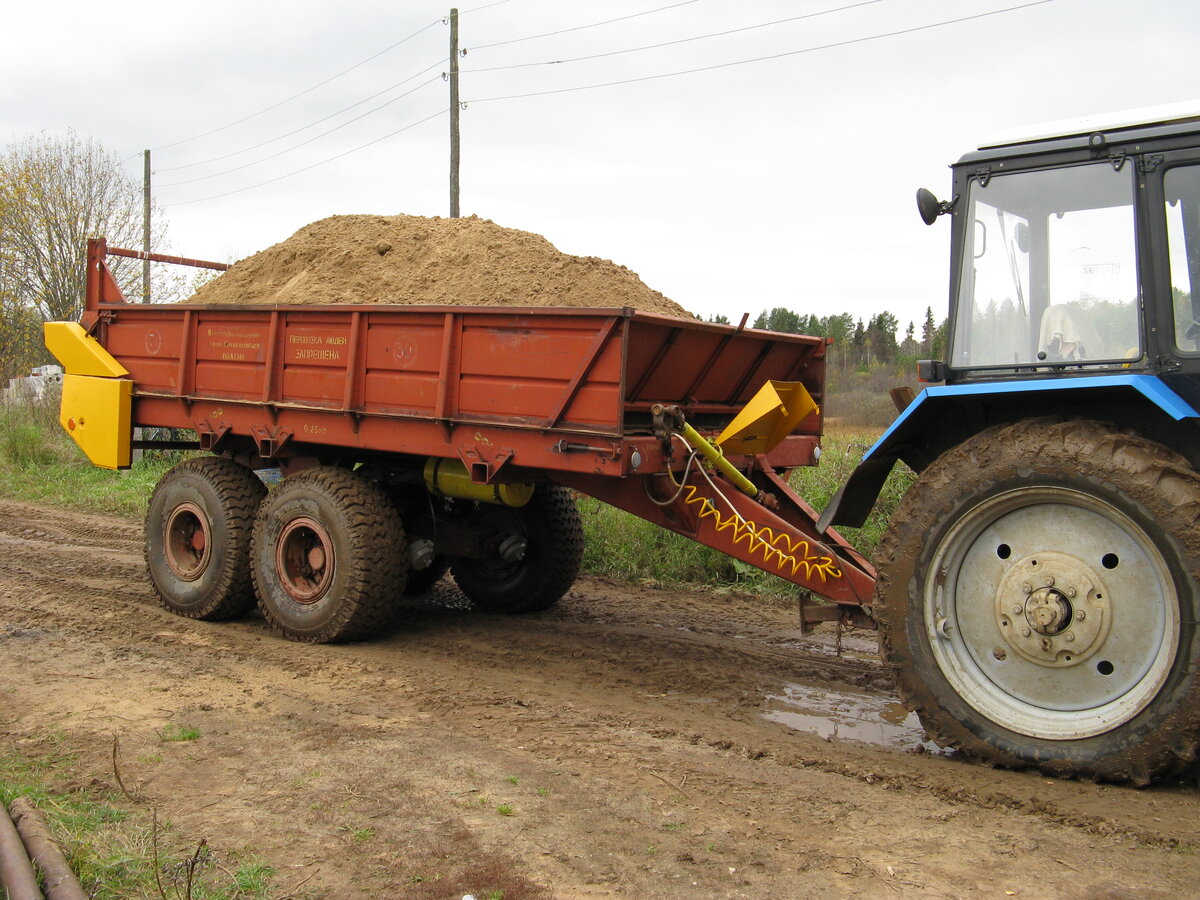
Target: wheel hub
{"x": 1048, "y": 611}
{"x": 304, "y": 560}
{"x": 1052, "y": 609}
{"x": 186, "y": 543}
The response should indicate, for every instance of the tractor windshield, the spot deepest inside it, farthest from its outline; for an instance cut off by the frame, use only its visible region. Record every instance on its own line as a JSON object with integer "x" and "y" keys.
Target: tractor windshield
{"x": 1048, "y": 273}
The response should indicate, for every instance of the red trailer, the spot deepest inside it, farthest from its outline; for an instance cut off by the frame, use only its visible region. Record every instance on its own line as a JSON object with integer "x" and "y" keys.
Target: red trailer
{"x": 418, "y": 439}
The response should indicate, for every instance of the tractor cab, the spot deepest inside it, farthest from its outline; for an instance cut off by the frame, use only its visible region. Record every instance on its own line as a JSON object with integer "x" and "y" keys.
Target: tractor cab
{"x": 1074, "y": 251}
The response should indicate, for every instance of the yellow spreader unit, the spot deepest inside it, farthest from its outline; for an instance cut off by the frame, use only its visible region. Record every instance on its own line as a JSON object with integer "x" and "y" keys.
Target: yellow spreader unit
{"x": 770, "y": 416}
{"x": 97, "y": 397}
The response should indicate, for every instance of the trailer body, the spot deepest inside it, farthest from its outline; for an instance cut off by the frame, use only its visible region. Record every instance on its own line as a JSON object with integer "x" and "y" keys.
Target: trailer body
{"x": 590, "y": 399}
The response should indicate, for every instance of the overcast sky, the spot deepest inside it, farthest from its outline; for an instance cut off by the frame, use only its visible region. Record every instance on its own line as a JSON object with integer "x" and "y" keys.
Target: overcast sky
{"x": 786, "y": 181}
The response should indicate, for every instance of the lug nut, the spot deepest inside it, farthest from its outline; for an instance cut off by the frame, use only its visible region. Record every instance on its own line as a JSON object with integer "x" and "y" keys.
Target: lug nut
{"x": 1049, "y": 581}
{"x": 1025, "y": 632}
{"x": 1080, "y": 615}
{"x": 1070, "y": 592}
{"x": 1017, "y": 609}
{"x": 1027, "y": 588}
{"x": 1070, "y": 637}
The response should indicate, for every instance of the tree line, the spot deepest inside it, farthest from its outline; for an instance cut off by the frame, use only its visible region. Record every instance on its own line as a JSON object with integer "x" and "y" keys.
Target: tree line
{"x": 859, "y": 345}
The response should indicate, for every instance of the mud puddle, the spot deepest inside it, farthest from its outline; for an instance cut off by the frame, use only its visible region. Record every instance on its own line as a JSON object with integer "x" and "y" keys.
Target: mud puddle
{"x": 837, "y": 715}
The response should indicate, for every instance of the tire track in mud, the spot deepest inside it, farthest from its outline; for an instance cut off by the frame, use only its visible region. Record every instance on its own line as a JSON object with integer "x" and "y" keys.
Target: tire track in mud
{"x": 650, "y": 678}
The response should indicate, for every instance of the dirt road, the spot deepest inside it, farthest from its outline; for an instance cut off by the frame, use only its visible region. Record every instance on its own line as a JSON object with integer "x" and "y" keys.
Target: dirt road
{"x": 629, "y": 743}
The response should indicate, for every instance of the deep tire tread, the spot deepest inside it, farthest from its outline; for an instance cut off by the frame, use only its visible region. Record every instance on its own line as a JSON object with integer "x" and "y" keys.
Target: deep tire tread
{"x": 238, "y": 492}
{"x": 546, "y": 579}
{"x": 375, "y": 567}
{"x": 1158, "y": 479}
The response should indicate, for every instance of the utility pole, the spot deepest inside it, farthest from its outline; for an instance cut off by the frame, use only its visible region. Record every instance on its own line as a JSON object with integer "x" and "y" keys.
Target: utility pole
{"x": 146, "y": 225}
{"x": 454, "y": 152}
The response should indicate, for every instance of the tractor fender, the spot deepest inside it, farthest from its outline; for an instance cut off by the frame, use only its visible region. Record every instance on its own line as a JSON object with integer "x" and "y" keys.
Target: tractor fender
{"x": 944, "y": 416}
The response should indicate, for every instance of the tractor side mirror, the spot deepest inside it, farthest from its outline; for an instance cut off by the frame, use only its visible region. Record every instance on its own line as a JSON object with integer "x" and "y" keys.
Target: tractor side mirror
{"x": 928, "y": 206}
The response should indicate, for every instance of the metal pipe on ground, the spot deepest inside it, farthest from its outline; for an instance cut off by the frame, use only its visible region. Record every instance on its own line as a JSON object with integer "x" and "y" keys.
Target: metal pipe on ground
{"x": 16, "y": 869}
{"x": 60, "y": 882}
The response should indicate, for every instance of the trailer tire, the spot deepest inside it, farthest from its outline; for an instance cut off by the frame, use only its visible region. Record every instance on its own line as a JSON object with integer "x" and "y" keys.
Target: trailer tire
{"x": 197, "y": 548}
{"x": 328, "y": 557}
{"x": 1038, "y": 599}
{"x": 553, "y": 532}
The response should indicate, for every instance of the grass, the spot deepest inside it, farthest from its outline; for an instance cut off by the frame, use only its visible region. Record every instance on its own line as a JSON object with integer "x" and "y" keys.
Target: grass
{"x": 110, "y": 844}
{"x": 175, "y": 732}
{"x": 39, "y": 463}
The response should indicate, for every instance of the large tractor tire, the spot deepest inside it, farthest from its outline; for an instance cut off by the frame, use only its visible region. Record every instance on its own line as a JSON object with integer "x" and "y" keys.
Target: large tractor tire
{"x": 551, "y": 531}
{"x": 328, "y": 557}
{"x": 198, "y": 528}
{"x": 1038, "y": 600}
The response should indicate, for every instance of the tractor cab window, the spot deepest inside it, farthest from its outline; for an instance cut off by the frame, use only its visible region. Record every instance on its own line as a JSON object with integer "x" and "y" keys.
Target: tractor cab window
{"x": 1182, "y": 188}
{"x": 1049, "y": 270}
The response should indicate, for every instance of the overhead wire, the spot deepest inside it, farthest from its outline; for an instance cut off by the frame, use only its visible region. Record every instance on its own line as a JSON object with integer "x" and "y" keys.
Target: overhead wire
{"x": 299, "y": 94}
{"x": 315, "y": 165}
{"x": 308, "y": 141}
{"x": 296, "y": 131}
{"x": 699, "y": 37}
{"x": 534, "y": 37}
{"x": 741, "y": 62}
{"x": 485, "y": 6}
{"x": 695, "y": 70}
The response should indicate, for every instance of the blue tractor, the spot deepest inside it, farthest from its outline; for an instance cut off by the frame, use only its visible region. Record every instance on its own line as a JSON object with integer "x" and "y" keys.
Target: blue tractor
{"x": 1038, "y": 586}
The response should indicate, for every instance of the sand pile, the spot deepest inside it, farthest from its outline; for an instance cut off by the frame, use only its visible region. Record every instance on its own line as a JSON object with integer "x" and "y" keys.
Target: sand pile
{"x": 415, "y": 260}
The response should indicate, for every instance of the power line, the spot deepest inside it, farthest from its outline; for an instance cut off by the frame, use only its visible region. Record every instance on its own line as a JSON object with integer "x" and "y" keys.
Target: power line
{"x": 312, "y": 124}
{"x": 303, "y": 92}
{"x": 305, "y": 142}
{"x": 485, "y": 6}
{"x": 699, "y": 37}
{"x": 534, "y": 37}
{"x": 314, "y": 165}
{"x": 742, "y": 62}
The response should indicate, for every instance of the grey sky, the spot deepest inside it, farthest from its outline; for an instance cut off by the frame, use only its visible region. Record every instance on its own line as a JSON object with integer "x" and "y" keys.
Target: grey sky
{"x": 782, "y": 182}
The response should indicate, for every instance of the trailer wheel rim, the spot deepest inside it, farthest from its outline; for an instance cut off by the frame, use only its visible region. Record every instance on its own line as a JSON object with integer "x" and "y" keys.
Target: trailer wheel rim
{"x": 304, "y": 560}
{"x": 188, "y": 543}
{"x": 1052, "y": 613}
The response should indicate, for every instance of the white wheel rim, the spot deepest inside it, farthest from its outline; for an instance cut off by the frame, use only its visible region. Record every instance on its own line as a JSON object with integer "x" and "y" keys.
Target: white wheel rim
{"x": 1052, "y": 677}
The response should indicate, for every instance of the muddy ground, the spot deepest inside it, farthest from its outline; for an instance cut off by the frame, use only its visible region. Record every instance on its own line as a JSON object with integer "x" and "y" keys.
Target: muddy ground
{"x": 641, "y": 742}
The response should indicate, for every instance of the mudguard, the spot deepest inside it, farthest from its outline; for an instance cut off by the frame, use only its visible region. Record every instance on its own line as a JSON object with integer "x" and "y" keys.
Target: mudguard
{"x": 943, "y": 416}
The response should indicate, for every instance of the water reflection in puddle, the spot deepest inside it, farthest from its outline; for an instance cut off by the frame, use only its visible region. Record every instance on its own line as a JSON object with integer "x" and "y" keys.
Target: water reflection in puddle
{"x": 855, "y": 717}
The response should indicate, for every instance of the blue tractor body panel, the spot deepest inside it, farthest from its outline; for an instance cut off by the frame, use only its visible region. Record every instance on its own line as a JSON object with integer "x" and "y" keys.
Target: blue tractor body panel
{"x": 943, "y": 416}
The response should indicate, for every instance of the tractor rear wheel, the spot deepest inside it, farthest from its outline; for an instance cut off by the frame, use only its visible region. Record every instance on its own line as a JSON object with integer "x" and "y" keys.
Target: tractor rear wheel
{"x": 539, "y": 547}
{"x": 198, "y": 538}
{"x": 328, "y": 557}
{"x": 1038, "y": 600}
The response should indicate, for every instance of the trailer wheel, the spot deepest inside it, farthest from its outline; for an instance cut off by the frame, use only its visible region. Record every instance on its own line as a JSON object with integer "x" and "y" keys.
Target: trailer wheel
{"x": 198, "y": 528}
{"x": 328, "y": 557}
{"x": 544, "y": 543}
{"x": 1038, "y": 600}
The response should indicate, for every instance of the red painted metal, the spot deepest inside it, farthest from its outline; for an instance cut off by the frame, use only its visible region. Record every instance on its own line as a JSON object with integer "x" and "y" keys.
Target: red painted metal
{"x": 740, "y": 527}
{"x": 175, "y": 260}
{"x": 516, "y": 394}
